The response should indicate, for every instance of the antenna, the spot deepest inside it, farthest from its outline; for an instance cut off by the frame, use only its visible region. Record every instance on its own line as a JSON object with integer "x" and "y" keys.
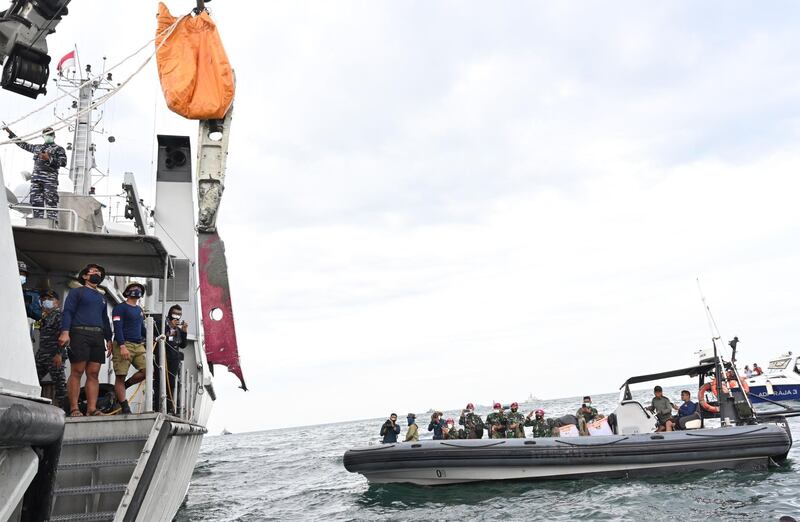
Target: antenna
{"x": 712, "y": 324}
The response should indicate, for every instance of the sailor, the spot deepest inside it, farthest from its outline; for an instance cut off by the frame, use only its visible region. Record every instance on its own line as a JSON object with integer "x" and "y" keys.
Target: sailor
{"x": 413, "y": 430}
{"x": 757, "y": 369}
{"x": 129, "y": 336}
{"x": 515, "y": 423}
{"x": 687, "y": 411}
{"x": 390, "y": 430}
{"x": 748, "y": 372}
{"x": 86, "y": 330}
{"x": 587, "y": 413}
{"x": 473, "y": 424}
{"x": 33, "y": 307}
{"x": 437, "y": 425}
{"x": 541, "y": 427}
{"x": 496, "y": 422}
{"x": 50, "y": 357}
{"x": 662, "y": 407}
{"x": 451, "y": 431}
{"x": 174, "y": 342}
{"x": 47, "y": 159}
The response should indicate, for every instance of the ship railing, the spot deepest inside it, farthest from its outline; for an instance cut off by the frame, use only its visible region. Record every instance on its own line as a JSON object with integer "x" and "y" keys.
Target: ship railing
{"x": 73, "y": 224}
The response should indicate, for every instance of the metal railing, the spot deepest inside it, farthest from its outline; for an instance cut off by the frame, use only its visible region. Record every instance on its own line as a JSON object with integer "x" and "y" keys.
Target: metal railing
{"x": 73, "y": 224}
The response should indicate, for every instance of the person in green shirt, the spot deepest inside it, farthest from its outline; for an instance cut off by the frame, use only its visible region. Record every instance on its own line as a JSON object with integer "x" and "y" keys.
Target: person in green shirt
{"x": 662, "y": 407}
{"x": 413, "y": 430}
{"x": 515, "y": 423}
{"x": 541, "y": 427}
{"x": 473, "y": 424}
{"x": 496, "y": 422}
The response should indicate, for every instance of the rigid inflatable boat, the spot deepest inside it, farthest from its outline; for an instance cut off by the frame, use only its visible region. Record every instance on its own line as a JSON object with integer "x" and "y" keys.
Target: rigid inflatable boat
{"x": 744, "y": 439}
{"x": 433, "y": 462}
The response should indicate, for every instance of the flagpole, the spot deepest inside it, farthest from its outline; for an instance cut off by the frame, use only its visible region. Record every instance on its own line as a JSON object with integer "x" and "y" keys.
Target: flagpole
{"x": 78, "y": 61}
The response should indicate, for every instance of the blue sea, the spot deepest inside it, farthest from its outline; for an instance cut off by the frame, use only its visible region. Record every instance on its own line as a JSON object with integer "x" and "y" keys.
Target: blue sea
{"x": 297, "y": 474}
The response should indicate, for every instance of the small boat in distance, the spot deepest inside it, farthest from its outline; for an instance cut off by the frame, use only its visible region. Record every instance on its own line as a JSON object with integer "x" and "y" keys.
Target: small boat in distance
{"x": 225, "y": 432}
{"x": 780, "y": 381}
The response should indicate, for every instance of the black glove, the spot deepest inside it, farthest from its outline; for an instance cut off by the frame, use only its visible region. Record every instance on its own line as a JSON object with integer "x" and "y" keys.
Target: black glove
{"x": 10, "y": 133}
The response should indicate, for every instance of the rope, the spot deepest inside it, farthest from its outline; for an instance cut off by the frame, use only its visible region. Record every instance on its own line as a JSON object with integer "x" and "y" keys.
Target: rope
{"x": 59, "y": 124}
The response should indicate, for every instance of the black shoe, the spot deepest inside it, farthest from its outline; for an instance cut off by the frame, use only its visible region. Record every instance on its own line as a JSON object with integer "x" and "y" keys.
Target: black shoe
{"x": 126, "y": 410}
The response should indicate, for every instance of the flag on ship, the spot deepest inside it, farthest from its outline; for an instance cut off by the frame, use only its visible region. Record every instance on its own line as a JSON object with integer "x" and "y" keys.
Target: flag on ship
{"x": 66, "y": 61}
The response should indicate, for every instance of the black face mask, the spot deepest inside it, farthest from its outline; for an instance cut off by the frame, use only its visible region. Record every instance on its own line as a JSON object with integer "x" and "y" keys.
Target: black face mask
{"x": 95, "y": 279}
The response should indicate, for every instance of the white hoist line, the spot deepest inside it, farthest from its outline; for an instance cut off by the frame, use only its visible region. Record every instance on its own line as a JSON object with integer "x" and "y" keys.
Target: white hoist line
{"x": 60, "y": 124}
{"x": 211, "y": 159}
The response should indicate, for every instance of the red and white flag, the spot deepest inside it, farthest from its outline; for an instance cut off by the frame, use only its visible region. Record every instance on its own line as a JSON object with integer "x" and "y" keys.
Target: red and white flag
{"x": 66, "y": 61}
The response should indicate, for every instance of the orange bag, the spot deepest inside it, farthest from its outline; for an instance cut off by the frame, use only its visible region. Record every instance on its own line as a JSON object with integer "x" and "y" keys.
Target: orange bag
{"x": 195, "y": 74}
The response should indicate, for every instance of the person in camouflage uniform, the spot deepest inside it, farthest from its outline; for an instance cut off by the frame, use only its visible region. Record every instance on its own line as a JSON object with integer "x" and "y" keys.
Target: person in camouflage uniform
{"x": 473, "y": 424}
{"x": 515, "y": 423}
{"x": 50, "y": 357}
{"x": 452, "y": 431}
{"x": 47, "y": 159}
{"x": 541, "y": 427}
{"x": 496, "y": 422}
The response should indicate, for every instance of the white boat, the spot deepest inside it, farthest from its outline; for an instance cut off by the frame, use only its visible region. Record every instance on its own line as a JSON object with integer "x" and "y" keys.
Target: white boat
{"x": 779, "y": 382}
{"x": 133, "y": 467}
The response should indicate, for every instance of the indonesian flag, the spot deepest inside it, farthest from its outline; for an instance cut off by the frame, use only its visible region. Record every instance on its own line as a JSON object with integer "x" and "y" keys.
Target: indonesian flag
{"x": 66, "y": 61}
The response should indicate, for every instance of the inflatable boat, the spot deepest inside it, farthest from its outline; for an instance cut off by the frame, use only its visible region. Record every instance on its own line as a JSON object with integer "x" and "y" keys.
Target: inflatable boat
{"x": 434, "y": 462}
{"x": 743, "y": 439}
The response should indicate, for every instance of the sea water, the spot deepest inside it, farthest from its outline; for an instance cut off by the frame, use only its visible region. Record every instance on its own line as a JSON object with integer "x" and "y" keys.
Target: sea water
{"x": 297, "y": 474}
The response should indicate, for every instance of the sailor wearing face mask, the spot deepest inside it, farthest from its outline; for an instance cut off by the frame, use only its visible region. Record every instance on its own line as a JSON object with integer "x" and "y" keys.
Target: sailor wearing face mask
{"x": 175, "y": 340}
{"x": 50, "y": 357}
{"x": 473, "y": 424}
{"x": 129, "y": 336}
{"x": 47, "y": 159}
{"x": 86, "y": 330}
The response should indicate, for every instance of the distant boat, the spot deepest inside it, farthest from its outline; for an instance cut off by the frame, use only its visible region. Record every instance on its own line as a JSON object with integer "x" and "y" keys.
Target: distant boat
{"x": 532, "y": 398}
{"x": 225, "y": 432}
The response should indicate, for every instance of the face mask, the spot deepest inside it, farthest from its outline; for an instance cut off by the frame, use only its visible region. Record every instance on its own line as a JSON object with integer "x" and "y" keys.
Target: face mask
{"x": 22, "y": 279}
{"x": 49, "y": 139}
{"x": 48, "y": 304}
{"x": 176, "y": 317}
{"x": 95, "y": 279}
{"x": 410, "y": 420}
{"x": 497, "y": 410}
{"x": 136, "y": 294}
{"x": 470, "y": 410}
{"x": 449, "y": 425}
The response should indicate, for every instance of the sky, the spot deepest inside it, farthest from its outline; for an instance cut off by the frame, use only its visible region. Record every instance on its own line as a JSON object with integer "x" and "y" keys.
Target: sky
{"x": 435, "y": 203}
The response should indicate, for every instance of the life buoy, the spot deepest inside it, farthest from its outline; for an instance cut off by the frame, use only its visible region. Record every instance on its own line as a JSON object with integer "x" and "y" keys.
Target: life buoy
{"x": 708, "y": 387}
{"x": 745, "y": 387}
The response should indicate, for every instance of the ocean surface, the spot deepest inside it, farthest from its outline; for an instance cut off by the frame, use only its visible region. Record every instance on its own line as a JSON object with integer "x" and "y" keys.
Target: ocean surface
{"x": 297, "y": 474}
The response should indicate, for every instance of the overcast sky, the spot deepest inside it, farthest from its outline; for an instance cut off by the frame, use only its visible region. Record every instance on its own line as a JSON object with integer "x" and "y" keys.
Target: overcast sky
{"x": 434, "y": 203}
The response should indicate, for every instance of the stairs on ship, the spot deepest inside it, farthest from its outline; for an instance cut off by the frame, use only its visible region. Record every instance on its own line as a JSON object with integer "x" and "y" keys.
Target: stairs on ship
{"x": 102, "y": 459}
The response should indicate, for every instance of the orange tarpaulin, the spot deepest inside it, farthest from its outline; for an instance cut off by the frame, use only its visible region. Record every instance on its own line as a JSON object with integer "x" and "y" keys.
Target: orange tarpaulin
{"x": 195, "y": 74}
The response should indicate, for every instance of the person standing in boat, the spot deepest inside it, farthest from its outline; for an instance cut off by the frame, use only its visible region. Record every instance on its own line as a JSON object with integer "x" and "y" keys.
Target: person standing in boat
{"x": 515, "y": 423}
{"x": 452, "y": 432}
{"x": 175, "y": 342}
{"x": 662, "y": 407}
{"x": 757, "y": 369}
{"x": 50, "y": 357}
{"x": 587, "y": 414}
{"x": 413, "y": 430}
{"x": 129, "y": 339}
{"x": 496, "y": 422}
{"x": 541, "y": 427}
{"x": 86, "y": 330}
{"x": 473, "y": 424}
{"x": 437, "y": 425}
{"x": 390, "y": 430}
{"x": 47, "y": 159}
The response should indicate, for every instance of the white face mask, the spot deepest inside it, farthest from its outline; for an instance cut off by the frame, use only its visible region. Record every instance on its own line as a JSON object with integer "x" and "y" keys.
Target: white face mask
{"x": 22, "y": 279}
{"x": 48, "y": 304}
{"x": 497, "y": 410}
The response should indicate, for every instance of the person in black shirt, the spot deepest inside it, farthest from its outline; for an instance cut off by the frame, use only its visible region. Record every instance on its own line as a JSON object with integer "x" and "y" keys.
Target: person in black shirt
{"x": 175, "y": 341}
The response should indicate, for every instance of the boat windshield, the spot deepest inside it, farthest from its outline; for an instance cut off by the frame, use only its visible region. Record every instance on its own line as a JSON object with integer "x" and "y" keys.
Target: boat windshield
{"x": 779, "y": 364}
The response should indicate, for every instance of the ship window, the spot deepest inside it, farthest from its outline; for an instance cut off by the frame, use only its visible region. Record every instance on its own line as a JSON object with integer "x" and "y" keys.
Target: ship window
{"x": 216, "y": 314}
{"x": 778, "y": 364}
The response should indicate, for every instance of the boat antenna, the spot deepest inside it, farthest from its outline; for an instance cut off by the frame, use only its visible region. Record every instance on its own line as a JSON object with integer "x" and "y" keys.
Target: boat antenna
{"x": 712, "y": 324}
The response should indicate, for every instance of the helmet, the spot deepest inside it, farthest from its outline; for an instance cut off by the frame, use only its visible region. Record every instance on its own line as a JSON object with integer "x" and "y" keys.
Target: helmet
{"x": 22, "y": 266}
{"x": 514, "y": 405}
{"x": 540, "y": 412}
{"x": 86, "y": 269}
{"x": 497, "y": 405}
{"x": 470, "y": 406}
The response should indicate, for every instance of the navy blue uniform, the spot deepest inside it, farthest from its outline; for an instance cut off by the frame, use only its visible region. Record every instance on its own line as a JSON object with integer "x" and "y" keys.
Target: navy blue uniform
{"x": 128, "y": 323}
{"x": 49, "y": 329}
{"x": 44, "y": 180}
{"x": 176, "y": 340}
{"x": 85, "y": 318}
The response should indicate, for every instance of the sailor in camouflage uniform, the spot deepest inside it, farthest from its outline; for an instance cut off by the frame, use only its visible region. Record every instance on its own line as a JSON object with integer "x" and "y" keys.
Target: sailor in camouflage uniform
{"x": 515, "y": 423}
{"x": 49, "y": 357}
{"x": 496, "y": 422}
{"x": 473, "y": 424}
{"x": 541, "y": 427}
{"x": 47, "y": 159}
